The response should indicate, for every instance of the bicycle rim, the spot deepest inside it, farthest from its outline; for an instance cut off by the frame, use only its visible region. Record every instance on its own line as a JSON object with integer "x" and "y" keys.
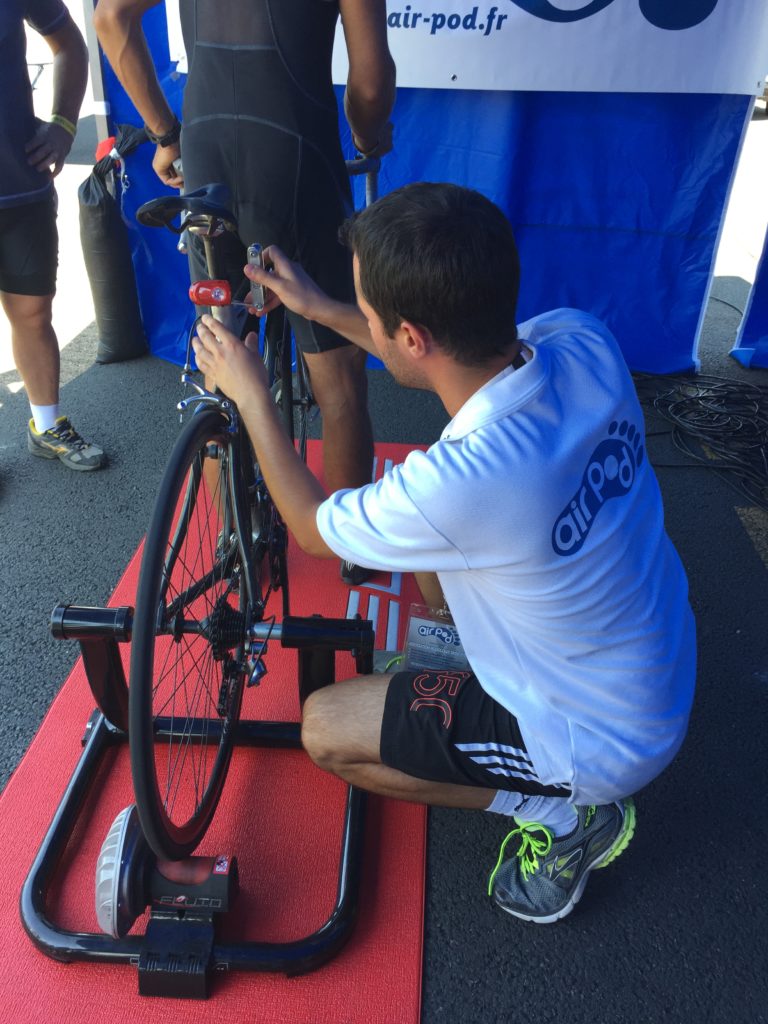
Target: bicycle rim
{"x": 187, "y": 658}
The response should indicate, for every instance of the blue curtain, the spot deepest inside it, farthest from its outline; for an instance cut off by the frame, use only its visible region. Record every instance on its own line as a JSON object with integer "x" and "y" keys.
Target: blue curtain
{"x": 751, "y": 348}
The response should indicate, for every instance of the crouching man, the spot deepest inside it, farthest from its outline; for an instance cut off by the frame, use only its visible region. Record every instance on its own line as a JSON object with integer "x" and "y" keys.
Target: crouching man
{"x": 542, "y": 518}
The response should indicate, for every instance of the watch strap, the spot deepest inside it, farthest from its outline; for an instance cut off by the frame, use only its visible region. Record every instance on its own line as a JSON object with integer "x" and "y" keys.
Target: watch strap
{"x": 167, "y": 138}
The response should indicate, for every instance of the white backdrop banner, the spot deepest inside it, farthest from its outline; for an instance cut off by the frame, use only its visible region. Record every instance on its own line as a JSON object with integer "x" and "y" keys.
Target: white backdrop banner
{"x": 695, "y": 46}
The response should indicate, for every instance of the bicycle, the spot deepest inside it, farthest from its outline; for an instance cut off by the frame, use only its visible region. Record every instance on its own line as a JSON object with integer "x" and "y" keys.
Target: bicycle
{"x": 214, "y": 556}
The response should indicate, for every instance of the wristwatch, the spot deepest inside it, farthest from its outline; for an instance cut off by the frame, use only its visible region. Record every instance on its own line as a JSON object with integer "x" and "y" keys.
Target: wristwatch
{"x": 168, "y": 139}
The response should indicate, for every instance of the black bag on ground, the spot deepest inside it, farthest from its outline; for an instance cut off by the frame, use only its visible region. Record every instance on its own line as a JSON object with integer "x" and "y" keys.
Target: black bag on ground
{"x": 107, "y": 254}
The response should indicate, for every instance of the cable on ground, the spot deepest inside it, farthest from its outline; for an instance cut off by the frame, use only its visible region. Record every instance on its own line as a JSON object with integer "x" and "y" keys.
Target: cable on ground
{"x": 728, "y": 418}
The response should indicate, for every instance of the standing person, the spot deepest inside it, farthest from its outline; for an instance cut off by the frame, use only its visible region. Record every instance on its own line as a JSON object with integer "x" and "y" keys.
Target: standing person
{"x": 542, "y": 517}
{"x": 31, "y": 155}
{"x": 260, "y": 116}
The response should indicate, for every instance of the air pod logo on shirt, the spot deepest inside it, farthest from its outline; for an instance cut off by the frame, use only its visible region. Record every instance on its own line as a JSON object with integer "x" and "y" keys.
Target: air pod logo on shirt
{"x": 610, "y": 473}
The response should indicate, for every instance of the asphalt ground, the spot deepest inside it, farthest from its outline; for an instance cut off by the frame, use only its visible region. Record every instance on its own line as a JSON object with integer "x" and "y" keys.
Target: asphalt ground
{"x": 675, "y": 929}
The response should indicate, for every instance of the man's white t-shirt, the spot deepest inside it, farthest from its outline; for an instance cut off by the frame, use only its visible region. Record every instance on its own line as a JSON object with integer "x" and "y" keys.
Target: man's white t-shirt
{"x": 542, "y": 517}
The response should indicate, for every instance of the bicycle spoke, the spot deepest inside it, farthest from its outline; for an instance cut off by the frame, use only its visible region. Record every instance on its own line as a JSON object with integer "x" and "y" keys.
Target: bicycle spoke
{"x": 160, "y": 710}
{"x": 175, "y": 765}
{"x": 185, "y": 742}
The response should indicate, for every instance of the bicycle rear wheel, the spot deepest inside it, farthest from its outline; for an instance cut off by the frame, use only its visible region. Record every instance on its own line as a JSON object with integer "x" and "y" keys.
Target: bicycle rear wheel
{"x": 193, "y": 610}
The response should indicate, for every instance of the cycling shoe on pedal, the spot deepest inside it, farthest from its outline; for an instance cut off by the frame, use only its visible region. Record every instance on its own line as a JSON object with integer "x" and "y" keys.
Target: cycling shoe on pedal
{"x": 354, "y": 575}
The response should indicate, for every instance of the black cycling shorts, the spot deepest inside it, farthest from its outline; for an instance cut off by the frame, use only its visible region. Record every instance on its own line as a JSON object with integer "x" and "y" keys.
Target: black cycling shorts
{"x": 285, "y": 193}
{"x": 442, "y": 726}
{"x": 29, "y": 245}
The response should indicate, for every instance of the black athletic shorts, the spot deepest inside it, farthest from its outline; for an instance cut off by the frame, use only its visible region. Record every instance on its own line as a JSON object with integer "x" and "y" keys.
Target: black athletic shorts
{"x": 442, "y": 726}
{"x": 29, "y": 245}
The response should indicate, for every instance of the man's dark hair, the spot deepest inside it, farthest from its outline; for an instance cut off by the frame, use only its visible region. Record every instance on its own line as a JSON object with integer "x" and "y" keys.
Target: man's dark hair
{"x": 442, "y": 257}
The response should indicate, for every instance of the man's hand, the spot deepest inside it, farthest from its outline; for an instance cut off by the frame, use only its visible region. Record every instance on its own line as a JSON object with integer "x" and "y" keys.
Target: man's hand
{"x": 162, "y": 165}
{"x": 48, "y": 148}
{"x": 375, "y": 147}
{"x": 237, "y": 368}
{"x": 289, "y": 283}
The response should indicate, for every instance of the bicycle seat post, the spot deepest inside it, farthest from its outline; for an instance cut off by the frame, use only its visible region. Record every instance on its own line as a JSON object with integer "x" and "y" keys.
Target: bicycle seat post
{"x": 205, "y": 212}
{"x": 209, "y": 227}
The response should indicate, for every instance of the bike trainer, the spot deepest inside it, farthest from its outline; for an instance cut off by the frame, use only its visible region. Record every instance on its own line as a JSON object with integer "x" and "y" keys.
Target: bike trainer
{"x": 179, "y": 951}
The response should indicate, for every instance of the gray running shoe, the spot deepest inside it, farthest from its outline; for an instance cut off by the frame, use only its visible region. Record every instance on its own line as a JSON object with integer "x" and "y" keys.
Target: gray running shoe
{"x": 64, "y": 443}
{"x": 546, "y": 878}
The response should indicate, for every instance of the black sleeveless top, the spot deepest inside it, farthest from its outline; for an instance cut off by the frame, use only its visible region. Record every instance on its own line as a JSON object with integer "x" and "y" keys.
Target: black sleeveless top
{"x": 260, "y": 59}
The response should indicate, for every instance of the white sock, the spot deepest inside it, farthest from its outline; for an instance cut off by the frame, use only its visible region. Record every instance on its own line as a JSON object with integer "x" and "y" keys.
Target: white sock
{"x": 553, "y": 811}
{"x": 506, "y": 802}
{"x": 44, "y": 416}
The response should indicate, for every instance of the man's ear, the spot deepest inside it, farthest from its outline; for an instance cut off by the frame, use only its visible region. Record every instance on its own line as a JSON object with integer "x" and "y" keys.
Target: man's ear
{"x": 417, "y": 340}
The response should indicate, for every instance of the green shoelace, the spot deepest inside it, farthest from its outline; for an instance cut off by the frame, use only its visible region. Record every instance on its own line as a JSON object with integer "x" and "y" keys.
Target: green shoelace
{"x": 536, "y": 843}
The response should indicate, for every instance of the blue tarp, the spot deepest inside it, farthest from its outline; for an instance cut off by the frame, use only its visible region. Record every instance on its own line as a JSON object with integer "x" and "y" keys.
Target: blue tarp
{"x": 751, "y": 348}
{"x": 615, "y": 199}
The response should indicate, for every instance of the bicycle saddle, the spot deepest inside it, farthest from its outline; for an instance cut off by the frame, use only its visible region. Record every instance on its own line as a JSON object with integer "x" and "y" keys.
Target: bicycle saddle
{"x": 208, "y": 201}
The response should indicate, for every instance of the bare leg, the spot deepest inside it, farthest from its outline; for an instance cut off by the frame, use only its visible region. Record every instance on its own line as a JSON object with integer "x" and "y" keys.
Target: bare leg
{"x": 341, "y": 732}
{"x": 340, "y": 388}
{"x": 35, "y": 348}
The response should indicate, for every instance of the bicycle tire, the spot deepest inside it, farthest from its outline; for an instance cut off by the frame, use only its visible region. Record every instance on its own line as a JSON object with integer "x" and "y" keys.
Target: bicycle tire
{"x": 298, "y": 395}
{"x": 193, "y": 609}
{"x": 289, "y": 379}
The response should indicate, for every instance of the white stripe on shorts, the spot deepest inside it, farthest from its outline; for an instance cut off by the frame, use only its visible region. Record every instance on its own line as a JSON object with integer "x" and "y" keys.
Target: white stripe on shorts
{"x": 501, "y": 748}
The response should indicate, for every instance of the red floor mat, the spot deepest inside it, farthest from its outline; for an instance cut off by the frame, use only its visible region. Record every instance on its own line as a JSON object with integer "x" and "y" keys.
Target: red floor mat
{"x": 279, "y": 815}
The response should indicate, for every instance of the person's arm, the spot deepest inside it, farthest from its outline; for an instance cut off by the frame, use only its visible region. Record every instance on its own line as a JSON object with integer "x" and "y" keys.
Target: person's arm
{"x": 52, "y": 141}
{"x": 290, "y": 284}
{"x": 239, "y": 372}
{"x": 118, "y": 26}
{"x": 370, "y": 92}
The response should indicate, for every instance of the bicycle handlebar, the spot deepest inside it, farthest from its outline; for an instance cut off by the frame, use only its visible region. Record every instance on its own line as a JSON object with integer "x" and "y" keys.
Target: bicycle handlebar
{"x": 363, "y": 165}
{"x": 369, "y": 166}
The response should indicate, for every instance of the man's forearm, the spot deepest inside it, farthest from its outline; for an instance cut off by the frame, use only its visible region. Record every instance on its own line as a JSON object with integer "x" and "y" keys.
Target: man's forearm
{"x": 239, "y": 372}
{"x": 122, "y": 38}
{"x": 293, "y": 488}
{"x": 346, "y": 320}
{"x": 367, "y": 113}
{"x": 70, "y": 71}
{"x": 370, "y": 92}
